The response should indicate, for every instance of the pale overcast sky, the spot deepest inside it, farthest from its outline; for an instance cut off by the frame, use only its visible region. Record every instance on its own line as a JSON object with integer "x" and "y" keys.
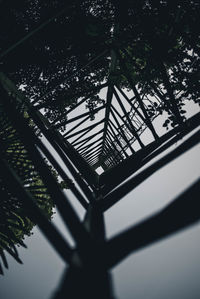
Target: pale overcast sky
{"x": 167, "y": 269}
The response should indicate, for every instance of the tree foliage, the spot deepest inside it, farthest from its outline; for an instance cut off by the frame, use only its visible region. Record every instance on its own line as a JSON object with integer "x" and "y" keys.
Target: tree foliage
{"x": 15, "y": 216}
{"x": 57, "y": 65}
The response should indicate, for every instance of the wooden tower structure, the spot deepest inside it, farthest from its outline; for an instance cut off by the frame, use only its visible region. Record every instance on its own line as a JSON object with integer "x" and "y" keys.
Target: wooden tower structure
{"x": 105, "y": 110}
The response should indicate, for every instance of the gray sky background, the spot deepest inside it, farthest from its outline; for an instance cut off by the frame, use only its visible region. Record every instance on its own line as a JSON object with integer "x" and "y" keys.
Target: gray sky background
{"x": 167, "y": 269}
